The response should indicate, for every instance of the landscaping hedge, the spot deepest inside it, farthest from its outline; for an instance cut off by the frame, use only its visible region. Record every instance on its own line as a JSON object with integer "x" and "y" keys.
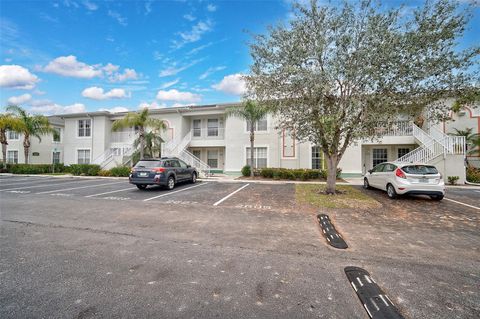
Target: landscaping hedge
{"x": 120, "y": 171}
{"x": 473, "y": 175}
{"x": 84, "y": 169}
{"x": 295, "y": 174}
{"x": 35, "y": 168}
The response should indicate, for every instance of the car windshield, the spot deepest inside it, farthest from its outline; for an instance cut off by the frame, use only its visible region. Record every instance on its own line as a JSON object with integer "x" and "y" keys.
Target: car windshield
{"x": 420, "y": 169}
{"x": 148, "y": 164}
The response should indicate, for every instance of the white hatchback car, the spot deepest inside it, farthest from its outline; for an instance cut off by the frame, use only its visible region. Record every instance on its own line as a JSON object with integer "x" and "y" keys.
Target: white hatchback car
{"x": 406, "y": 179}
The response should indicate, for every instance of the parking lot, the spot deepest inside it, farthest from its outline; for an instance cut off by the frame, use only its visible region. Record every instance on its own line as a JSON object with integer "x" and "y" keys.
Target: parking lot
{"x": 84, "y": 248}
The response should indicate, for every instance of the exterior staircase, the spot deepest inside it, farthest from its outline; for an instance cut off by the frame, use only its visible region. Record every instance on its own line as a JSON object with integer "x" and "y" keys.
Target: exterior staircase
{"x": 178, "y": 148}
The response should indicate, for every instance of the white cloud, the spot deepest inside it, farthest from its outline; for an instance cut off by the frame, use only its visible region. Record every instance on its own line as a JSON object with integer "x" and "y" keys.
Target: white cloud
{"x": 153, "y": 105}
{"x": 110, "y": 68}
{"x": 166, "y": 85}
{"x": 211, "y": 7}
{"x": 17, "y": 77}
{"x": 177, "y": 96}
{"x": 90, "y": 5}
{"x": 96, "y": 93}
{"x": 49, "y": 107}
{"x": 231, "y": 84}
{"x": 195, "y": 34}
{"x": 117, "y": 16}
{"x": 148, "y": 7}
{"x": 116, "y": 109}
{"x": 19, "y": 100}
{"x": 189, "y": 17}
{"x": 69, "y": 66}
{"x": 174, "y": 70}
{"x": 210, "y": 71}
{"x": 128, "y": 74}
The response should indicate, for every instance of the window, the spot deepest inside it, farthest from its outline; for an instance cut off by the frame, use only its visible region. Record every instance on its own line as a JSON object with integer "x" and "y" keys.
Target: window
{"x": 378, "y": 168}
{"x": 389, "y": 167}
{"x": 260, "y": 125}
{"x": 57, "y": 139}
{"x": 183, "y": 164}
{"x": 13, "y": 135}
{"x": 83, "y": 156}
{"x": 212, "y": 127}
{"x": 318, "y": 159}
{"x": 259, "y": 157}
{"x": 379, "y": 155}
{"x": 12, "y": 157}
{"x": 197, "y": 131}
{"x": 420, "y": 169}
{"x": 174, "y": 163}
{"x": 56, "y": 157}
{"x": 212, "y": 158}
{"x": 288, "y": 144}
{"x": 197, "y": 153}
{"x": 403, "y": 151}
{"x": 84, "y": 128}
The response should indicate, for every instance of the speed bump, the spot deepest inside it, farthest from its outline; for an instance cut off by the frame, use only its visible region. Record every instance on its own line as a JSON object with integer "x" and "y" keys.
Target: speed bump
{"x": 374, "y": 300}
{"x": 332, "y": 236}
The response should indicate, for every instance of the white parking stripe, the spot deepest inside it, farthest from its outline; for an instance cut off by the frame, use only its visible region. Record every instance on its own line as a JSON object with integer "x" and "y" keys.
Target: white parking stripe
{"x": 119, "y": 190}
{"x": 42, "y": 185}
{"x": 69, "y": 189}
{"x": 231, "y": 194}
{"x": 29, "y": 181}
{"x": 170, "y": 193}
{"x": 457, "y": 202}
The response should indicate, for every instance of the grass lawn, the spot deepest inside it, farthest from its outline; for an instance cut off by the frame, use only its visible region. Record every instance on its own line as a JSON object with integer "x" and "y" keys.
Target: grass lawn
{"x": 350, "y": 197}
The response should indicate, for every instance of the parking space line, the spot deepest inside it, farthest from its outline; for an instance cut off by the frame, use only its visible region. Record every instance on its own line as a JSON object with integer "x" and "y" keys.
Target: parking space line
{"x": 69, "y": 189}
{"x": 37, "y": 180}
{"x": 230, "y": 195}
{"x": 42, "y": 185}
{"x": 457, "y": 202}
{"x": 170, "y": 193}
{"x": 118, "y": 190}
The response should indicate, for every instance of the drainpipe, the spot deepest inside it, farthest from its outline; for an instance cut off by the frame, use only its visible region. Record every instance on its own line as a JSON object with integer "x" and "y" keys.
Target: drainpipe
{"x": 91, "y": 136}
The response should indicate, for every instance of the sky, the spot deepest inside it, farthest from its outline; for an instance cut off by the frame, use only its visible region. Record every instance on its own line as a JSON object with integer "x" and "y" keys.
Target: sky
{"x": 69, "y": 56}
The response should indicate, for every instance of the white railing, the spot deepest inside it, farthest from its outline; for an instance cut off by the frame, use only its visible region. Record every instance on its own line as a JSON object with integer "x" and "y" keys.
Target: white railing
{"x": 399, "y": 128}
{"x": 453, "y": 144}
{"x": 194, "y": 161}
{"x": 126, "y": 137}
{"x": 423, "y": 153}
{"x": 217, "y": 133}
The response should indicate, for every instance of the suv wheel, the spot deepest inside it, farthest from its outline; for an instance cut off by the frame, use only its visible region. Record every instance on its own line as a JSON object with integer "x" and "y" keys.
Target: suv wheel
{"x": 391, "y": 191}
{"x": 437, "y": 197}
{"x": 366, "y": 185}
{"x": 171, "y": 182}
{"x": 141, "y": 187}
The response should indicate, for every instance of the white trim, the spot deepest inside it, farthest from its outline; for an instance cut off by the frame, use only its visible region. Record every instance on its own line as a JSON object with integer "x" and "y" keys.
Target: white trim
{"x": 61, "y": 135}
{"x": 267, "y": 131}
{"x": 13, "y": 139}
{"x": 83, "y": 149}
{"x": 91, "y": 127}
{"x": 18, "y": 155}
{"x": 244, "y": 162}
{"x": 60, "y": 158}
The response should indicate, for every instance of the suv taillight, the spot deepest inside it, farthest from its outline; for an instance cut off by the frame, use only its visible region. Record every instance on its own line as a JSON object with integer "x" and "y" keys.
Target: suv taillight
{"x": 158, "y": 170}
{"x": 132, "y": 170}
{"x": 400, "y": 173}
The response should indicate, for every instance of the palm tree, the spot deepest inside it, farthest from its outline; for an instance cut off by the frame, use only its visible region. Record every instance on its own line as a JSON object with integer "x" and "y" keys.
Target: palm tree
{"x": 7, "y": 123}
{"x": 31, "y": 125}
{"x": 153, "y": 143}
{"x": 251, "y": 112}
{"x": 140, "y": 120}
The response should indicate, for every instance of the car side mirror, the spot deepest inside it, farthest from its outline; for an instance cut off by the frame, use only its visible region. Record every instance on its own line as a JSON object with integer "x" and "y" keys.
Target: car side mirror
{"x": 188, "y": 166}
{"x": 370, "y": 171}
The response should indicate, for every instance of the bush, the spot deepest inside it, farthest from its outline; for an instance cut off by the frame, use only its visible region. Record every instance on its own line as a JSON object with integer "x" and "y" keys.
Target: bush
{"x": 120, "y": 171}
{"x": 104, "y": 173}
{"x": 84, "y": 169}
{"x": 473, "y": 175}
{"x": 35, "y": 168}
{"x": 246, "y": 170}
{"x": 452, "y": 180}
{"x": 295, "y": 174}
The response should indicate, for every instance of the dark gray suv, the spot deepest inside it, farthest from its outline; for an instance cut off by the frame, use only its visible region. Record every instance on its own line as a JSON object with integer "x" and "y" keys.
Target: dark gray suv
{"x": 166, "y": 171}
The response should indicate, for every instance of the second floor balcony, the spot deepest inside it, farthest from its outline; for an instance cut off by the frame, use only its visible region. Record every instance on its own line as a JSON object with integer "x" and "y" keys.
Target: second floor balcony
{"x": 212, "y": 133}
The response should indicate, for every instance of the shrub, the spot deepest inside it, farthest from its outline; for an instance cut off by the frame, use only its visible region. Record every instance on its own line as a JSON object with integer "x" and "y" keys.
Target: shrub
{"x": 246, "y": 170}
{"x": 84, "y": 169}
{"x": 120, "y": 171}
{"x": 473, "y": 175}
{"x": 295, "y": 174}
{"x": 35, "y": 168}
{"x": 452, "y": 180}
{"x": 104, "y": 173}
{"x": 267, "y": 172}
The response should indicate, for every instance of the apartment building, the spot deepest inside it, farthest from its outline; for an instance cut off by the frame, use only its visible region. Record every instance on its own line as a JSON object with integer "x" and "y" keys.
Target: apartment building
{"x": 206, "y": 138}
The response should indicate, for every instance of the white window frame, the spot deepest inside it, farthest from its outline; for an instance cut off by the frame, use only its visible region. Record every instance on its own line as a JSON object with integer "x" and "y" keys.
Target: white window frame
{"x": 60, "y": 133}
{"x": 213, "y": 127}
{"x": 322, "y": 158}
{"x": 256, "y": 146}
{"x": 373, "y": 157}
{"x": 78, "y": 128}
{"x": 247, "y": 130}
{"x": 217, "y": 158}
{"x": 84, "y": 149}
{"x": 59, "y": 156}
{"x": 197, "y": 129}
{"x": 403, "y": 148}
{"x": 8, "y": 158}
{"x": 13, "y": 139}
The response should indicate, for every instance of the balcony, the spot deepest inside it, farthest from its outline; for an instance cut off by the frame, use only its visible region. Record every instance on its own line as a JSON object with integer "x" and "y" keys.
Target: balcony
{"x": 123, "y": 137}
{"x": 211, "y": 136}
{"x": 400, "y": 132}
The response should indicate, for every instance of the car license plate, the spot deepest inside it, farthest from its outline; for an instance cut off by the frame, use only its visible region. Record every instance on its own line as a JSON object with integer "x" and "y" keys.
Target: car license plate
{"x": 423, "y": 180}
{"x": 143, "y": 174}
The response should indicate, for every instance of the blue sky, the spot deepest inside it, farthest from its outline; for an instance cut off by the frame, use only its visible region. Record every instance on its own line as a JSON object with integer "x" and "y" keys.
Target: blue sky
{"x": 74, "y": 55}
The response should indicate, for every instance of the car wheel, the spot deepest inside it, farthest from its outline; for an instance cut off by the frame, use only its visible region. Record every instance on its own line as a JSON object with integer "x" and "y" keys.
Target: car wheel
{"x": 366, "y": 185}
{"x": 437, "y": 197}
{"x": 171, "y": 182}
{"x": 194, "y": 178}
{"x": 391, "y": 191}
{"x": 141, "y": 187}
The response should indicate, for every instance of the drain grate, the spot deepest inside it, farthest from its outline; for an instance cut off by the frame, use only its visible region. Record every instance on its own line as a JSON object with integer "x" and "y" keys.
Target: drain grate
{"x": 330, "y": 233}
{"x": 374, "y": 300}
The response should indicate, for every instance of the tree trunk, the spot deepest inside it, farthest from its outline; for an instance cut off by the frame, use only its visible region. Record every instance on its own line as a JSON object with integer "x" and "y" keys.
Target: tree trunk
{"x": 26, "y": 147}
{"x": 141, "y": 135}
{"x": 4, "y": 153}
{"x": 332, "y": 163}
{"x": 252, "y": 144}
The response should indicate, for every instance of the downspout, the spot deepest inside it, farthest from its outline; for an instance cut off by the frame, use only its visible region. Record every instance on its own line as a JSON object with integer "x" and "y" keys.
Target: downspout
{"x": 91, "y": 136}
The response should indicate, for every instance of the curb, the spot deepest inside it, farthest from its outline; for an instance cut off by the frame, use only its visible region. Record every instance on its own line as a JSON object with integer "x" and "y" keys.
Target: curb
{"x": 64, "y": 176}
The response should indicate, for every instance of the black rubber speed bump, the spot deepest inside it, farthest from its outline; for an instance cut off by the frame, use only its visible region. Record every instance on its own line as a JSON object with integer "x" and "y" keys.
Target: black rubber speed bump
{"x": 374, "y": 300}
{"x": 330, "y": 233}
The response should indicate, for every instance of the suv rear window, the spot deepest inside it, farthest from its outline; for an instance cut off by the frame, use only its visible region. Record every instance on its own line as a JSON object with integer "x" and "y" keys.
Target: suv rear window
{"x": 420, "y": 169}
{"x": 148, "y": 164}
